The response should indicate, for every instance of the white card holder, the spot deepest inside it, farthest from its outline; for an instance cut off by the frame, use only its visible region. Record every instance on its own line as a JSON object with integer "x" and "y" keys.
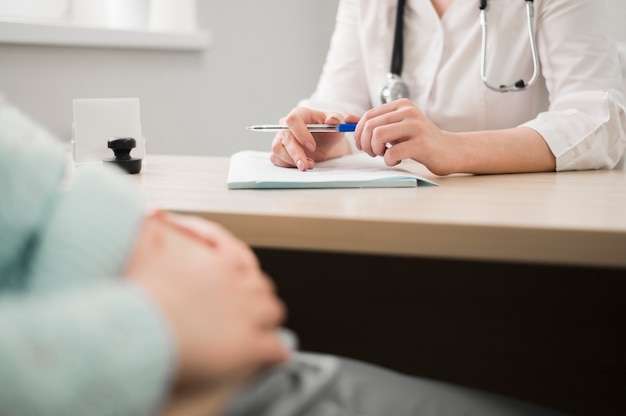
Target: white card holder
{"x": 96, "y": 120}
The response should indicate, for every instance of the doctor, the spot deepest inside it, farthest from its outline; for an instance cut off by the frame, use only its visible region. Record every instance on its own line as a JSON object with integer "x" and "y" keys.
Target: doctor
{"x": 562, "y": 106}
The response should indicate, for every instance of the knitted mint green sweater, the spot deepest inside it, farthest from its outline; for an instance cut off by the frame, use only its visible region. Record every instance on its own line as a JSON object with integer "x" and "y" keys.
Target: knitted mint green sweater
{"x": 75, "y": 339}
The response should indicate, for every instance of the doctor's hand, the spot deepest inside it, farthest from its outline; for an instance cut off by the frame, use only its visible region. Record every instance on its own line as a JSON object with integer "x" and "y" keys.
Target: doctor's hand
{"x": 399, "y": 130}
{"x": 221, "y": 307}
{"x": 297, "y": 147}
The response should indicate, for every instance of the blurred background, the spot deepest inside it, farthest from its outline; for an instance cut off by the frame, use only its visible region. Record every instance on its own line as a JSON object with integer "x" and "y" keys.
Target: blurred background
{"x": 262, "y": 57}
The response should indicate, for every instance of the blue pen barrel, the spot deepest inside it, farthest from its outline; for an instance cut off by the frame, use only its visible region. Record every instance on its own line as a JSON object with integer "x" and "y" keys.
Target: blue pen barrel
{"x": 345, "y": 128}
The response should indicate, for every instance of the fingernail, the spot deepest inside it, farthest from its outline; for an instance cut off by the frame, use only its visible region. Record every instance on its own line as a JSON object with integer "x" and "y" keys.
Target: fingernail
{"x": 300, "y": 165}
{"x": 310, "y": 146}
{"x": 310, "y": 163}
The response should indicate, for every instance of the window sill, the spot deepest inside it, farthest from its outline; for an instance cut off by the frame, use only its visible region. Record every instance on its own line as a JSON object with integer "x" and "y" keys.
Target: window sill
{"x": 21, "y": 33}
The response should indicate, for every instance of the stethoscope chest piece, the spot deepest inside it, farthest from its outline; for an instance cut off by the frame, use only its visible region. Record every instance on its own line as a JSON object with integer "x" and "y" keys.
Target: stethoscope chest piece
{"x": 394, "y": 89}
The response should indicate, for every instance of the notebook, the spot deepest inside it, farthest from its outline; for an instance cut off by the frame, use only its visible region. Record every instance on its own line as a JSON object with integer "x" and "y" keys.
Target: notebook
{"x": 253, "y": 170}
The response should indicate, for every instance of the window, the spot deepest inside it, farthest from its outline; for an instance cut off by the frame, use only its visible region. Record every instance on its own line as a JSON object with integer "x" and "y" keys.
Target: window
{"x": 35, "y": 10}
{"x": 167, "y": 24}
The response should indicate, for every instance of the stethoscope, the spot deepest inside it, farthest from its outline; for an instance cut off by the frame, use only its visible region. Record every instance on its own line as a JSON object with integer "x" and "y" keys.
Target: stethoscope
{"x": 396, "y": 88}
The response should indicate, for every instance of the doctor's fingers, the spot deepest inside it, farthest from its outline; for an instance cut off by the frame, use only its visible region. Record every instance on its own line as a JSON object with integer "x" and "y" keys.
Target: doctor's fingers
{"x": 375, "y": 133}
{"x": 400, "y": 105}
{"x": 334, "y": 118}
{"x": 386, "y": 136}
{"x": 401, "y": 151}
{"x": 403, "y": 123}
{"x": 398, "y": 110}
{"x": 287, "y": 152}
{"x": 279, "y": 156}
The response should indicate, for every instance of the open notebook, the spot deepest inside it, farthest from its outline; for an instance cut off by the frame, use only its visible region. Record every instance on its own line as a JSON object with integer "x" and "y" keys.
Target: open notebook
{"x": 253, "y": 170}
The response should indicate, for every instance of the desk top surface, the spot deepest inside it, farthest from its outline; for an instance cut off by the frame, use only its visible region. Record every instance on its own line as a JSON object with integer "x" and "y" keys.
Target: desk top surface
{"x": 574, "y": 218}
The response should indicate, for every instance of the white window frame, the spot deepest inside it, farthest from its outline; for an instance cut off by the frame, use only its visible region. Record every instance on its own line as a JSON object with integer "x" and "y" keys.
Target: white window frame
{"x": 56, "y": 30}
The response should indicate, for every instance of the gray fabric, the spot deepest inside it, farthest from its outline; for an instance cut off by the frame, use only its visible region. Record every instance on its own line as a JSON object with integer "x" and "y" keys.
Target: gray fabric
{"x": 319, "y": 385}
{"x": 290, "y": 389}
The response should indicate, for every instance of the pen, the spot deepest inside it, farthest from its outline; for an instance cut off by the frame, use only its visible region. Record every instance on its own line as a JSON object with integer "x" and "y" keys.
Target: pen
{"x": 313, "y": 128}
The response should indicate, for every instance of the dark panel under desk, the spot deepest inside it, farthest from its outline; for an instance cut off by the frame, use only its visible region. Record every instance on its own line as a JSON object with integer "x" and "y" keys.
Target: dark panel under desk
{"x": 551, "y": 335}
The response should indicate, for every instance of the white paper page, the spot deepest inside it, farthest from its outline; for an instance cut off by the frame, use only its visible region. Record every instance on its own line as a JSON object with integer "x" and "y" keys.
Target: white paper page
{"x": 253, "y": 166}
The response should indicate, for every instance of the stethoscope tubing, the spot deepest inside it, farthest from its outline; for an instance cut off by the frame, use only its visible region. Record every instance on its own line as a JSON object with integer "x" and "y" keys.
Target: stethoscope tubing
{"x": 395, "y": 87}
{"x": 530, "y": 24}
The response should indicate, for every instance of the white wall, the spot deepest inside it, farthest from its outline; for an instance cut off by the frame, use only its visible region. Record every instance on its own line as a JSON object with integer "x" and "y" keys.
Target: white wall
{"x": 266, "y": 55}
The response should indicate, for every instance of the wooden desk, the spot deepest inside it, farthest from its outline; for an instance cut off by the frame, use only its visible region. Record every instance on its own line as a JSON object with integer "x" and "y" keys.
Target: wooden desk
{"x": 511, "y": 283}
{"x": 570, "y": 218}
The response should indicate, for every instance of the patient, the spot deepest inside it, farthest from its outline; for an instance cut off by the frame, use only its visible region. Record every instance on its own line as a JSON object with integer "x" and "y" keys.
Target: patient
{"x": 107, "y": 309}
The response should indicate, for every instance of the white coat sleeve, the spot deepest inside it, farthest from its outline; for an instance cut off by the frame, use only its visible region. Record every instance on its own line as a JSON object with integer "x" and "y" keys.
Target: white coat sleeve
{"x": 343, "y": 86}
{"x": 585, "y": 125}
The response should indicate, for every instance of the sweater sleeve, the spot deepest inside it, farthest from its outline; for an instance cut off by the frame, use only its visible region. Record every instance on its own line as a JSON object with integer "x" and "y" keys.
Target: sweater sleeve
{"x": 75, "y": 339}
{"x": 93, "y": 350}
{"x": 32, "y": 165}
